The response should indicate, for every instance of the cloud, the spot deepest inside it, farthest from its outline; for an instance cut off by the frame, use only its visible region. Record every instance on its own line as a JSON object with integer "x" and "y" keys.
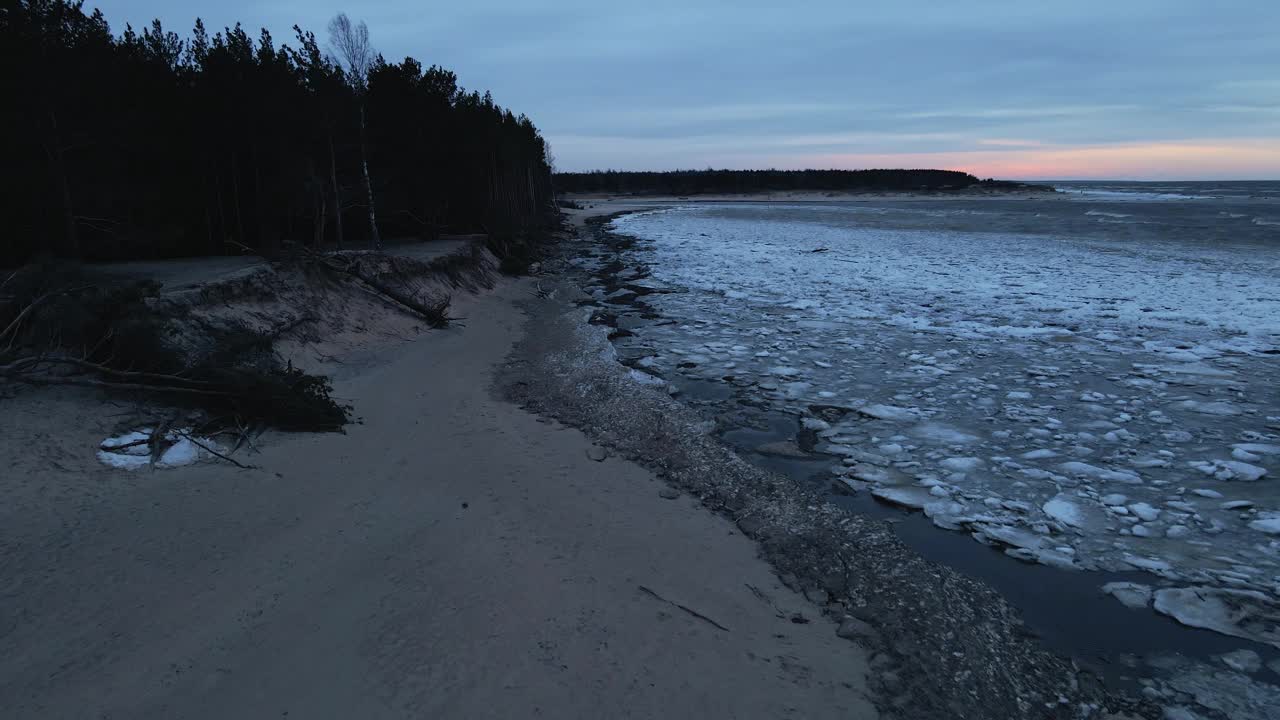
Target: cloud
{"x": 1009, "y": 142}
{"x": 673, "y": 83}
{"x": 1020, "y": 112}
{"x": 1254, "y": 159}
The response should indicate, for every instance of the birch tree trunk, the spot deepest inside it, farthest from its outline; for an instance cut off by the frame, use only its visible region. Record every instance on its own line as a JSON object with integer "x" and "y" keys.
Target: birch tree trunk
{"x": 368, "y": 186}
{"x": 337, "y": 194}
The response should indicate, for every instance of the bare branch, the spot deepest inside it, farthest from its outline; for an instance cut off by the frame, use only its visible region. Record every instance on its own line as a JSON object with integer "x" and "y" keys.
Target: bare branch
{"x": 211, "y": 451}
{"x": 141, "y": 387}
{"x": 17, "y": 321}
{"x": 128, "y": 376}
{"x": 351, "y": 44}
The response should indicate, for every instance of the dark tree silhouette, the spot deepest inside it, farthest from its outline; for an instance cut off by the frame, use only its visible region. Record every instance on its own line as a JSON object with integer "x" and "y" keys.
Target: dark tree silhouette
{"x": 691, "y": 182}
{"x": 153, "y": 145}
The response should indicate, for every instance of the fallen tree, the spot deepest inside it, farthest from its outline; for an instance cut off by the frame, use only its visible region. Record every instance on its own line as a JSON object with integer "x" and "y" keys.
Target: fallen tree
{"x": 59, "y": 329}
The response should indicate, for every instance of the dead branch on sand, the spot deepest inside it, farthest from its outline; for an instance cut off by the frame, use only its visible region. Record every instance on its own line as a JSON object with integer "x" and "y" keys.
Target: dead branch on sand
{"x": 213, "y": 452}
{"x": 685, "y": 608}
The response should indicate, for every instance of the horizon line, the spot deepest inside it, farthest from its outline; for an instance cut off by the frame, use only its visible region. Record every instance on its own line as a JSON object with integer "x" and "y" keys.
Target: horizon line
{"x": 1091, "y": 178}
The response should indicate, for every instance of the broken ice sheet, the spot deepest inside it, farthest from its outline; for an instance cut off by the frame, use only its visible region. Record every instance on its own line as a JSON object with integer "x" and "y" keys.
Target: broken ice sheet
{"x": 1041, "y": 395}
{"x": 1242, "y": 613}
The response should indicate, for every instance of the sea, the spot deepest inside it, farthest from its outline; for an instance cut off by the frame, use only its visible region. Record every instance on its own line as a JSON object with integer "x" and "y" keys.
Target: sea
{"x": 1073, "y": 396}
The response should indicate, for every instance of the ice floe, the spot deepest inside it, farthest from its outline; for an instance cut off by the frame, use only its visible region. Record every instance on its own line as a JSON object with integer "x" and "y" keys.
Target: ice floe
{"x": 1131, "y": 594}
{"x": 1242, "y": 613}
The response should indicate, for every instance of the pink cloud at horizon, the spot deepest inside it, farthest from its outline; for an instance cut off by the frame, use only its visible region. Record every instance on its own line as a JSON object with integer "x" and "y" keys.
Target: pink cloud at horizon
{"x": 1218, "y": 160}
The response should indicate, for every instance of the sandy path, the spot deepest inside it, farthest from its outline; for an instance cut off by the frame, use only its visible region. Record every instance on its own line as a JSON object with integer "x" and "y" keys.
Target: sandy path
{"x": 452, "y": 556}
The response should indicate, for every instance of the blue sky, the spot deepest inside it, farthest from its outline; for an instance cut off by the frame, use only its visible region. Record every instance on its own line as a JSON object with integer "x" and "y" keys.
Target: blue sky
{"x": 1122, "y": 88}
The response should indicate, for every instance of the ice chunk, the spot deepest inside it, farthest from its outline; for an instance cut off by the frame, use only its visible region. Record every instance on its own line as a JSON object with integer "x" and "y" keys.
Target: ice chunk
{"x": 961, "y": 464}
{"x": 1241, "y": 613}
{"x": 889, "y": 412}
{"x": 644, "y": 378}
{"x": 1013, "y": 536}
{"x": 1144, "y": 511}
{"x": 1229, "y": 470}
{"x": 871, "y": 473}
{"x": 946, "y": 514}
{"x": 909, "y": 496}
{"x": 1130, "y": 594}
{"x": 812, "y": 423}
{"x": 1093, "y": 471}
{"x": 183, "y": 452}
{"x": 1270, "y": 526}
{"x": 1242, "y": 660}
{"x": 1244, "y": 471}
{"x": 1065, "y": 510}
{"x": 1217, "y": 407}
{"x": 1159, "y": 567}
{"x": 1258, "y": 448}
{"x": 942, "y": 434}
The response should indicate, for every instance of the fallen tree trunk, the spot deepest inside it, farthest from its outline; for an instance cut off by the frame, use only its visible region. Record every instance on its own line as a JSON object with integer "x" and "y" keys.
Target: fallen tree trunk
{"x": 434, "y": 311}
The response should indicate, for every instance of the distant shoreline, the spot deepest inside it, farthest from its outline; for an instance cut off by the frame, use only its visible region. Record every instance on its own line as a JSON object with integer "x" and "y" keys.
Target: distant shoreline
{"x": 812, "y": 196}
{"x": 711, "y": 181}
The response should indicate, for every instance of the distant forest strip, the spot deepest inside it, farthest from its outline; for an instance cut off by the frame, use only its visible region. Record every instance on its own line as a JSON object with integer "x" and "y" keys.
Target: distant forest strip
{"x": 152, "y": 145}
{"x": 692, "y": 182}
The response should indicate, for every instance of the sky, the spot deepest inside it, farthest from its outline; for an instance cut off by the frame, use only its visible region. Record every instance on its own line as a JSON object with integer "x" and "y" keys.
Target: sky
{"x": 1086, "y": 89}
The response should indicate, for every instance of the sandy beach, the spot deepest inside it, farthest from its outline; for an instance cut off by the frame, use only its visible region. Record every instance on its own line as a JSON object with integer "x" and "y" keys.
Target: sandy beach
{"x": 448, "y": 556}
{"x": 513, "y": 526}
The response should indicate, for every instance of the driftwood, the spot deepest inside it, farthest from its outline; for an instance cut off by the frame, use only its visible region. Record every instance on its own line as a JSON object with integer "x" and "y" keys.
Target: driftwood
{"x": 215, "y": 453}
{"x": 685, "y": 608}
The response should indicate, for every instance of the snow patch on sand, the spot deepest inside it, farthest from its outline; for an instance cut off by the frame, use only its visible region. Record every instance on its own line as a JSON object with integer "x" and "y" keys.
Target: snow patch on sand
{"x": 133, "y": 450}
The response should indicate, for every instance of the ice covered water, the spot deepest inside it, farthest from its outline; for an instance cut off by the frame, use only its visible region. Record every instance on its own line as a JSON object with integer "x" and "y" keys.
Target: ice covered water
{"x": 1084, "y": 384}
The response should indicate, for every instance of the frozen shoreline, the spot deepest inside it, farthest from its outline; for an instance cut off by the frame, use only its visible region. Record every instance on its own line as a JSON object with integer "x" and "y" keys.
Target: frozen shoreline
{"x": 706, "y": 347}
{"x": 992, "y": 380}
